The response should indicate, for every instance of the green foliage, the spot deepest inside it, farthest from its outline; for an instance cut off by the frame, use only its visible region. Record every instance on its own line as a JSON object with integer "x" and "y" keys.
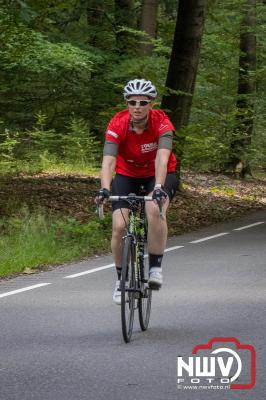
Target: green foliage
{"x": 41, "y": 148}
{"x": 204, "y": 150}
{"x": 80, "y": 144}
{"x": 8, "y": 142}
{"x": 41, "y": 139}
{"x": 30, "y": 240}
{"x": 62, "y": 74}
{"x": 40, "y": 75}
{"x": 258, "y": 146}
{"x": 213, "y": 116}
{"x": 30, "y": 51}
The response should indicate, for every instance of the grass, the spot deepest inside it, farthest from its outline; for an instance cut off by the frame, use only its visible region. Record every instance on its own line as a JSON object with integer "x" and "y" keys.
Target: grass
{"x": 39, "y": 240}
{"x": 223, "y": 190}
{"x": 75, "y": 168}
{"x": 49, "y": 166}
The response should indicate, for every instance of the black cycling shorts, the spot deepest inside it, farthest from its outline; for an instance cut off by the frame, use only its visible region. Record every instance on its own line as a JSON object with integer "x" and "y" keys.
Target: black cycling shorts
{"x": 122, "y": 185}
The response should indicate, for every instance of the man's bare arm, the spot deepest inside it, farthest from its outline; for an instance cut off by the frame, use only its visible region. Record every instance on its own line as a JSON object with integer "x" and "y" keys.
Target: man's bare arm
{"x": 108, "y": 168}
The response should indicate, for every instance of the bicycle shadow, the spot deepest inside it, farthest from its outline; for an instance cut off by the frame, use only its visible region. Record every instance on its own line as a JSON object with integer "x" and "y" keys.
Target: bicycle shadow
{"x": 171, "y": 336}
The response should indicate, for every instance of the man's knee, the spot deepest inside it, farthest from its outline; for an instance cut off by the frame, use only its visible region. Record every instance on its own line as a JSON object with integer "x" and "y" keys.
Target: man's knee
{"x": 119, "y": 229}
{"x": 153, "y": 212}
{"x": 119, "y": 223}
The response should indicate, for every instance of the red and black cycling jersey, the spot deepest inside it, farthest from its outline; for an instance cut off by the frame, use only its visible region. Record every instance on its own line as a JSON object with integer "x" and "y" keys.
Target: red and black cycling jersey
{"x": 137, "y": 152}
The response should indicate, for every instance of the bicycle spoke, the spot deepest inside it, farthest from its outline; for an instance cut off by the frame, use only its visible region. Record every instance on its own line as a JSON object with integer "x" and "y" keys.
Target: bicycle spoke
{"x": 127, "y": 286}
{"x": 144, "y": 302}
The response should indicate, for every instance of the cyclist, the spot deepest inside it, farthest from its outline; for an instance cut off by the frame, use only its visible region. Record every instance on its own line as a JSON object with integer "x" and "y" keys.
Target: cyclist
{"x": 138, "y": 148}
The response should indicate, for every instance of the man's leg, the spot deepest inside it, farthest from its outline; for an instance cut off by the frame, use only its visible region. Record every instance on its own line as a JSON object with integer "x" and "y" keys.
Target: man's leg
{"x": 120, "y": 219}
{"x": 157, "y": 227}
{"x": 157, "y": 230}
{"x": 157, "y": 236}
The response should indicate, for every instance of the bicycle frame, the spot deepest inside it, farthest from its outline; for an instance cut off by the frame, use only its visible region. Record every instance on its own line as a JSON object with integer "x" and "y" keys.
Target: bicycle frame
{"x": 135, "y": 292}
{"x": 137, "y": 229}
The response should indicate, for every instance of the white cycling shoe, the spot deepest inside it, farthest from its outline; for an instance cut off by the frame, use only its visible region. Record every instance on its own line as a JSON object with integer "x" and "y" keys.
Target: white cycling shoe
{"x": 117, "y": 293}
{"x": 155, "y": 278}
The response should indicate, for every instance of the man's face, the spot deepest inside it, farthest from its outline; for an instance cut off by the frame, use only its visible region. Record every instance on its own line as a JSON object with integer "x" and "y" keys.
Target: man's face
{"x": 139, "y": 111}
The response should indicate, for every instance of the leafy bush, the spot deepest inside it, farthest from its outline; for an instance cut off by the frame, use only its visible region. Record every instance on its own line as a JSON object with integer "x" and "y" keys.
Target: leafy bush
{"x": 41, "y": 148}
{"x": 8, "y": 143}
{"x": 80, "y": 144}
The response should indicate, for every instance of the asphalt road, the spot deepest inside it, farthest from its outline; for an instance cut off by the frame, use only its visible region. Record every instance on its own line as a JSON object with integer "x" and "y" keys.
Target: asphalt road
{"x": 61, "y": 338}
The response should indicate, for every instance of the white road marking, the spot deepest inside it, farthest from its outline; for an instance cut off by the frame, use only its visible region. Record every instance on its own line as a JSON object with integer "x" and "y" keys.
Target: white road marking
{"x": 249, "y": 226}
{"x": 90, "y": 271}
{"x": 112, "y": 265}
{"x": 173, "y": 248}
{"x": 24, "y": 289}
{"x": 210, "y": 237}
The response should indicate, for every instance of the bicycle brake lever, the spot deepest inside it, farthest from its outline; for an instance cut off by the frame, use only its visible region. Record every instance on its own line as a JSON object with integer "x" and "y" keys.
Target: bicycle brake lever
{"x": 162, "y": 215}
{"x": 99, "y": 211}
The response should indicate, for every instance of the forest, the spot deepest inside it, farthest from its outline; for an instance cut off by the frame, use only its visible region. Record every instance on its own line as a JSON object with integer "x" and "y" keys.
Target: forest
{"x": 63, "y": 66}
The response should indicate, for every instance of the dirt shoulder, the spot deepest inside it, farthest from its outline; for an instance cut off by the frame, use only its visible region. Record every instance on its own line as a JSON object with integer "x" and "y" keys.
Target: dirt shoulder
{"x": 205, "y": 199}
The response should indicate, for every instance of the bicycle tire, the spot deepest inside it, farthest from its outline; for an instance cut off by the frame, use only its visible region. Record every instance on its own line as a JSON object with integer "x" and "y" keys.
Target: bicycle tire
{"x": 144, "y": 301}
{"x": 127, "y": 287}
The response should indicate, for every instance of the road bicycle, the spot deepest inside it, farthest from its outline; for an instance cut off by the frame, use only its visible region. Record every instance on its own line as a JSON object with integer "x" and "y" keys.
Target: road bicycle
{"x": 135, "y": 291}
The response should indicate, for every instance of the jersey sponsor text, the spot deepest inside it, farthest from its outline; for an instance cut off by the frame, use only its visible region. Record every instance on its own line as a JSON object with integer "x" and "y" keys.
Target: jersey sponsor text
{"x": 147, "y": 147}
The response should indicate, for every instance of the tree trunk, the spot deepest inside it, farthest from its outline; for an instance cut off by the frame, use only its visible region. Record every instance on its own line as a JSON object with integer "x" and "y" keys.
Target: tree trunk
{"x": 95, "y": 19}
{"x": 242, "y": 134}
{"x": 183, "y": 65}
{"x": 124, "y": 17}
{"x": 148, "y": 23}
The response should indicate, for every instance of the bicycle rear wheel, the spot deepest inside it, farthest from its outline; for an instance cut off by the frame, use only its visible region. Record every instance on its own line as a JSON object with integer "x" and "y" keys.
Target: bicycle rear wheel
{"x": 144, "y": 301}
{"x": 128, "y": 287}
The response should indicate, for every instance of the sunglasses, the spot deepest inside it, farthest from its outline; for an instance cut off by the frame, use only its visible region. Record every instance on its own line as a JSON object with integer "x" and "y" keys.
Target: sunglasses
{"x": 141, "y": 103}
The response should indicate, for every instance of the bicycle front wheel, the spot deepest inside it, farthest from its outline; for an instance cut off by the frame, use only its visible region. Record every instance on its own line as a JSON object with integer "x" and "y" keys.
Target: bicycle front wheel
{"x": 144, "y": 302}
{"x": 128, "y": 288}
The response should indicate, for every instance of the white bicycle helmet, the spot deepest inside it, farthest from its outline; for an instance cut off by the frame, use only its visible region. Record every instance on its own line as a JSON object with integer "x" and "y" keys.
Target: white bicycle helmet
{"x": 140, "y": 87}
